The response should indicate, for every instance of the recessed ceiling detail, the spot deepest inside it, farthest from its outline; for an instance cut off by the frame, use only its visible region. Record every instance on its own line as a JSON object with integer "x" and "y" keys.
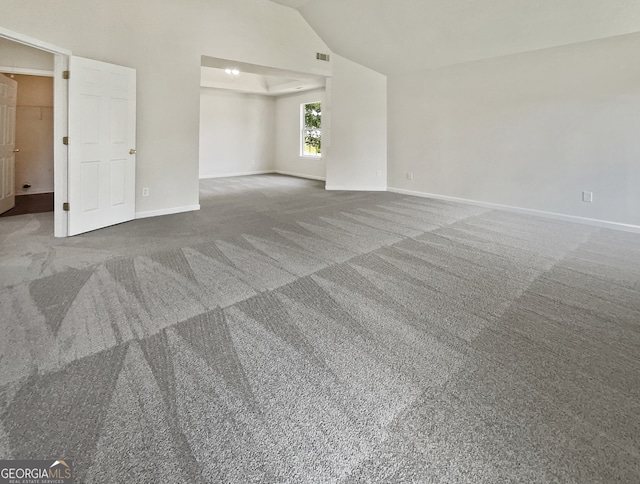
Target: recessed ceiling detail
{"x": 265, "y": 84}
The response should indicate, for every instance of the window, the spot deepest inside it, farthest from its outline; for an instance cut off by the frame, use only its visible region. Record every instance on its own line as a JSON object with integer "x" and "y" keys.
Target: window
{"x": 311, "y": 129}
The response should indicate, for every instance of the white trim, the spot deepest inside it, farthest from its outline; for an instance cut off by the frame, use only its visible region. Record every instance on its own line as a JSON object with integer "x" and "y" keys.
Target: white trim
{"x": 263, "y": 172}
{"x": 167, "y": 211}
{"x": 31, "y": 42}
{"x": 356, "y": 189}
{"x": 60, "y": 151}
{"x": 300, "y": 175}
{"x": 556, "y": 216}
{"x": 25, "y": 71}
{"x": 32, "y": 191}
{"x": 241, "y": 173}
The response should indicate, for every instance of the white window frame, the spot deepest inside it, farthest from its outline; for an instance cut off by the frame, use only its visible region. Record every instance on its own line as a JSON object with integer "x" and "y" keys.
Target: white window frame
{"x": 303, "y": 130}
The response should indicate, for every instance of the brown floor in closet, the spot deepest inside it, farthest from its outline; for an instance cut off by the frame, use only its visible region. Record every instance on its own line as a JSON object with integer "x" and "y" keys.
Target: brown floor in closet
{"x": 36, "y": 203}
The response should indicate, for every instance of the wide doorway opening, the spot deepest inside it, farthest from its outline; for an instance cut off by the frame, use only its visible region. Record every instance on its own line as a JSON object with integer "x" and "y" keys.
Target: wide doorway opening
{"x": 253, "y": 121}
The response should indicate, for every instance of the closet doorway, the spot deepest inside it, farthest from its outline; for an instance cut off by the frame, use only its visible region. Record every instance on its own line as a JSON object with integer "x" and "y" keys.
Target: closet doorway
{"x": 33, "y": 181}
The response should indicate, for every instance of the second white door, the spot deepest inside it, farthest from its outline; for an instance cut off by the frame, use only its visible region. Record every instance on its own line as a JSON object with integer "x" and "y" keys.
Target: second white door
{"x": 102, "y": 133}
{"x": 8, "y": 99}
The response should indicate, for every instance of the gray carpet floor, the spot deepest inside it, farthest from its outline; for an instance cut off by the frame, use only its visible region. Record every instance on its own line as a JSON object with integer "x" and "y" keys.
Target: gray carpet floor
{"x": 288, "y": 334}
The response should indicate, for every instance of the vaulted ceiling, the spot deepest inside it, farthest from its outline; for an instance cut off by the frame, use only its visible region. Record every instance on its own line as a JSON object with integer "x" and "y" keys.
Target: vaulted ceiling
{"x": 404, "y": 35}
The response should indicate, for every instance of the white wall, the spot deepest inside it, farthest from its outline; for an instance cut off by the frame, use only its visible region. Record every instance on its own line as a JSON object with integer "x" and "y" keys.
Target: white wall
{"x": 164, "y": 41}
{"x": 237, "y": 133}
{"x": 288, "y": 133}
{"x": 532, "y": 130}
{"x": 13, "y": 54}
{"x": 356, "y": 148}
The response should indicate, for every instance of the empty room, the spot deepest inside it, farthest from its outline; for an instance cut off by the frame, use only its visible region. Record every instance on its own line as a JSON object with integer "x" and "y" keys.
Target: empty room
{"x": 313, "y": 241}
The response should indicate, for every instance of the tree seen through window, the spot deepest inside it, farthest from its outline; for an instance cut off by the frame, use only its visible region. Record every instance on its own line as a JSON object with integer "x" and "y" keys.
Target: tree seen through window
{"x": 311, "y": 129}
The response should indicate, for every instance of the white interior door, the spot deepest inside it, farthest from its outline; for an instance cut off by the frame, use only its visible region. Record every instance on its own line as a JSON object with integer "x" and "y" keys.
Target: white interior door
{"x": 8, "y": 98}
{"x": 102, "y": 134}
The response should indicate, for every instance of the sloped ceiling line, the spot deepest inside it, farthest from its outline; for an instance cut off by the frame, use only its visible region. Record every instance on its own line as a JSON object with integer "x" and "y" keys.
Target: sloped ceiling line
{"x": 412, "y": 35}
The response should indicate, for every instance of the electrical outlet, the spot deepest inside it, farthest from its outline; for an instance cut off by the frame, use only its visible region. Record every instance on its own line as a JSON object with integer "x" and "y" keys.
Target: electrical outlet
{"x": 587, "y": 197}
{"x": 145, "y": 191}
{"x": 409, "y": 175}
{"x": 379, "y": 173}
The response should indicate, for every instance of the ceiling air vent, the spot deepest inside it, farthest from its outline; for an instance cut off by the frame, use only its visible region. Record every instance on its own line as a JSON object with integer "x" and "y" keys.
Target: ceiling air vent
{"x": 322, "y": 57}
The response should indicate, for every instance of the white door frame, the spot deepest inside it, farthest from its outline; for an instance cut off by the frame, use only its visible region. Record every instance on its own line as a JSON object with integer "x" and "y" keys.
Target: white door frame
{"x": 60, "y": 124}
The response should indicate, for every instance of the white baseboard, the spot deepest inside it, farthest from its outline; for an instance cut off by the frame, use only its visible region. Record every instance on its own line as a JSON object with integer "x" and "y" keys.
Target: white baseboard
{"x": 240, "y": 173}
{"x": 299, "y": 175}
{"x": 33, "y": 191}
{"x": 356, "y": 189}
{"x": 263, "y": 172}
{"x": 167, "y": 211}
{"x": 541, "y": 213}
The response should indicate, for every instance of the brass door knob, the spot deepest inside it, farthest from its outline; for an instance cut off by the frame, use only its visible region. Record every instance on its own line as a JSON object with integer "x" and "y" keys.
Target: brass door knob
{"x": 132, "y": 151}
{"x": 16, "y": 150}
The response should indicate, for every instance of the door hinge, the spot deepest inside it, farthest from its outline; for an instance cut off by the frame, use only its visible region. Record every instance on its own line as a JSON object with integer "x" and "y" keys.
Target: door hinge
{"x": 65, "y": 140}
{"x": 65, "y": 206}
{"x": 66, "y": 74}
